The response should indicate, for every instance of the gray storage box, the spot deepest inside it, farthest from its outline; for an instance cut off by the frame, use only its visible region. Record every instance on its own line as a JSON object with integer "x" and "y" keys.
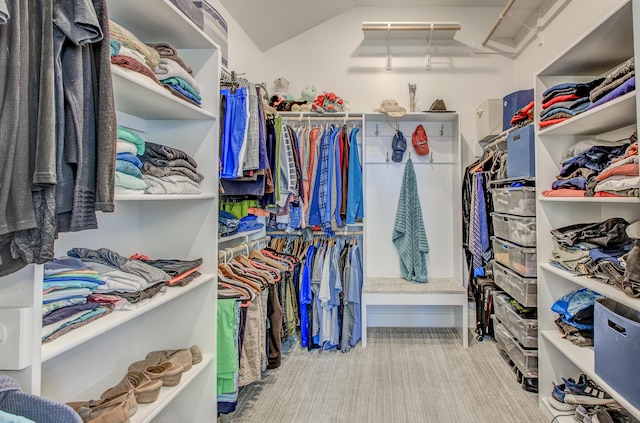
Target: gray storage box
{"x": 520, "y": 201}
{"x": 521, "y": 160}
{"x": 520, "y": 230}
{"x": 191, "y": 11}
{"x": 617, "y": 348}
{"x": 523, "y": 290}
{"x": 524, "y": 330}
{"x": 521, "y": 260}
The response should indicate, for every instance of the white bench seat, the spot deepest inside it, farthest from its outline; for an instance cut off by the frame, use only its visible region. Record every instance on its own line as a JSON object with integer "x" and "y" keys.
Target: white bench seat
{"x": 399, "y": 291}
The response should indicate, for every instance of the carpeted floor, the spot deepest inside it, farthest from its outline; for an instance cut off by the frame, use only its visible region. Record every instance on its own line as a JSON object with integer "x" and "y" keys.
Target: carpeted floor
{"x": 405, "y": 375}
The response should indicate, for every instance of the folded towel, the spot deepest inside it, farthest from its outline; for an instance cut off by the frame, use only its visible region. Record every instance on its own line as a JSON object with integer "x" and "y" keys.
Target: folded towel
{"x": 115, "y": 47}
{"x": 134, "y": 65}
{"x": 127, "y": 39}
{"x": 183, "y": 84}
{"x": 168, "y": 68}
{"x": 128, "y": 181}
{"x": 170, "y": 52}
{"x": 132, "y": 137}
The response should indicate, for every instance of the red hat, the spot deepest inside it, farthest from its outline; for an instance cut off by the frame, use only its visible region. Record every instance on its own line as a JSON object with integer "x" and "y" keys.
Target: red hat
{"x": 420, "y": 141}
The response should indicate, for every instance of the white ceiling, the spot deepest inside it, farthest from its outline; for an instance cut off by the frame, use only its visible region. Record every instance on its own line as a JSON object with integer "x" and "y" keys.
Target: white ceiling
{"x": 269, "y": 23}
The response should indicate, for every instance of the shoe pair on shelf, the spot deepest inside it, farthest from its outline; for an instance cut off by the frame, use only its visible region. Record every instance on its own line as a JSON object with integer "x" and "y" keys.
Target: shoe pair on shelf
{"x": 141, "y": 385}
{"x": 603, "y": 414}
{"x": 568, "y": 395}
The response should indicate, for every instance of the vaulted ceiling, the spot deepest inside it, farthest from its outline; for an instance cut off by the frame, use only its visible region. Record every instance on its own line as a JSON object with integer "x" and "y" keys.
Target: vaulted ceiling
{"x": 269, "y": 23}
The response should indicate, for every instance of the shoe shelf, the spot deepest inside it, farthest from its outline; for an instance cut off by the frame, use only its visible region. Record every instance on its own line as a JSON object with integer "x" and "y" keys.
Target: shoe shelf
{"x": 147, "y": 412}
{"x": 117, "y": 318}
{"x": 583, "y": 358}
{"x": 602, "y": 288}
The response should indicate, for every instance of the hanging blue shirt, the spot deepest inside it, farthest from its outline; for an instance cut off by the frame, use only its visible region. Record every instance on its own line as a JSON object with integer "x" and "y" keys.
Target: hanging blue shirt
{"x": 305, "y": 297}
{"x": 355, "y": 200}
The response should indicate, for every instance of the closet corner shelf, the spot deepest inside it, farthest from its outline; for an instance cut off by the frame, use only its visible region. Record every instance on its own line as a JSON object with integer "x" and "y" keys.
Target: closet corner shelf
{"x": 163, "y": 22}
{"x": 630, "y": 200}
{"x": 116, "y": 318}
{"x": 164, "y": 197}
{"x": 138, "y": 95}
{"x": 146, "y": 412}
{"x": 451, "y": 116}
{"x": 614, "y": 114}
{"x": 594, "y": 285}
{"x": 584, "y": 358}
{"x": 239, "y": 235}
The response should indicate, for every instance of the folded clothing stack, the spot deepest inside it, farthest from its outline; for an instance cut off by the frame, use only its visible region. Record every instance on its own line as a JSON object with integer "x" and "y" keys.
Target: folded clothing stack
{"x": 598, "y": 168}
{"x": 128, "y": 175}
{"x": 168, "y": 170}
{"x": 175, "y": 74}
{"x": 229, "y": 224}
{"x": 575, "y": 312}
{"x": 563, "y": 101}
{"x": 620, "y": 81}
{"x": 67, "y": 285}
{"x": 603, "y": 250}
{"x": 129, "y": 52}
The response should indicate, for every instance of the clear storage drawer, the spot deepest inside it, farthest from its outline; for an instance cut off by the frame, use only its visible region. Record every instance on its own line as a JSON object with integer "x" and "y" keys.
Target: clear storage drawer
{"x": 525, "y": 330}
{"x": 525, "y": 360}
{"x": 520, "y": 201}
{"x": 522, "y": 260}
{"x": 523, "y": 290}
{"x": 520, "y": 230}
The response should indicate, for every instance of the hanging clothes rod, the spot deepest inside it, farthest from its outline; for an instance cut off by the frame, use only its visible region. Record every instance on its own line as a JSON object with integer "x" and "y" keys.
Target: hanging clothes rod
{"x": 323, "y": 119}
{"x": 410, "y": 26}
{"x": 298, "y": 233}
{"x": 502, "y": 15}
{"x": 229, "y": 253}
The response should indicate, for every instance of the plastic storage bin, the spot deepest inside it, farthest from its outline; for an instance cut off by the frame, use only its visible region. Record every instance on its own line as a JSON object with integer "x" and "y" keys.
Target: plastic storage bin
{"x": 525, "y": 360}
{"x": 215, "y": 26}
{"x": 523, "y": 290}
{"x": 521, "y": 159}
{"x": 617, "y": 348}
{"x": 520, "y": 201}
{"x": 520, "y": 230}
{"x": 524, "y": 330}
{"x": 191, "y": 11}
{"x": 522, "y": 260}
{"x": 489, "y": 119}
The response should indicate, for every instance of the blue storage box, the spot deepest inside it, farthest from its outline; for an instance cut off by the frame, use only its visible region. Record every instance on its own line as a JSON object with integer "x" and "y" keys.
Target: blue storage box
{"x": 513, "y": 102}
{"x": 617, "y": 348}
{"x": 521, "y": 157}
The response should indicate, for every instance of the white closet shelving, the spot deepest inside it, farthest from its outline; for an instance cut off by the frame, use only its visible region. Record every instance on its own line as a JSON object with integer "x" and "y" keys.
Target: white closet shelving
{"x": 388, "y": 299}
{"x": 83, "y": 363}
{"x": 607, "y": 45}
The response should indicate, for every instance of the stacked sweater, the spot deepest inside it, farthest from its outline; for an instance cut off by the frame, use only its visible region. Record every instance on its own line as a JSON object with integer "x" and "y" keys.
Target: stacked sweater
{"x": 598, "y": 168}
{"x": 620, "y": 81}
{"x": 175, "y": 74}
{"x": 128, "y": 174}
{"x": 67, "y": 285}
{"x": 129, "y": 52}
{"x": 168, "y": 170}
{"x": 563, "y": 101}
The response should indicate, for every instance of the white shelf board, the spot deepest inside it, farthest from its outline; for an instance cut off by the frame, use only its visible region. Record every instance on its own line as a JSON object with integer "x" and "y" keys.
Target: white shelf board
{"x": 630, "y": 200}
{"x": 595, "y": 285}
{"x": 239, "y": 235}
{"x": 163, "y": 197}
{"x": 584, "y": 358}
{"x": 608, "y": 44}
{"x": 146, "y": 412}
{"x": 138, "y": 95}
{"x": 413, "y": 117}
{"x": 116, "y": 318}
{"x": 614, "y": 114}
{"x": 163, "y": 22}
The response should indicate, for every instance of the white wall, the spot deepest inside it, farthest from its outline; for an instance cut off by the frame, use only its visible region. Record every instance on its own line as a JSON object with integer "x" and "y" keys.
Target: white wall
{"x": 329, "y": 56}
{"x": 244, "y": 56}
{"x": 572, "y": 22}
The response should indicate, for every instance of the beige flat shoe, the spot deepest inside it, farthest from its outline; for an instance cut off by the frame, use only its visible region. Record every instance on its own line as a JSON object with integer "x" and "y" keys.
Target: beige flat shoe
{"x": 145, "y": 389}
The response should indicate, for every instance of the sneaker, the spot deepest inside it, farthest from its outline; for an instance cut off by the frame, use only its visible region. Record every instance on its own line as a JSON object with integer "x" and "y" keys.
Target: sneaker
{"x": 584, "y": 413}
{"x": 613, "y": 415}
{"x": 557, "y": 399}
{"x": 585, "y": 392}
